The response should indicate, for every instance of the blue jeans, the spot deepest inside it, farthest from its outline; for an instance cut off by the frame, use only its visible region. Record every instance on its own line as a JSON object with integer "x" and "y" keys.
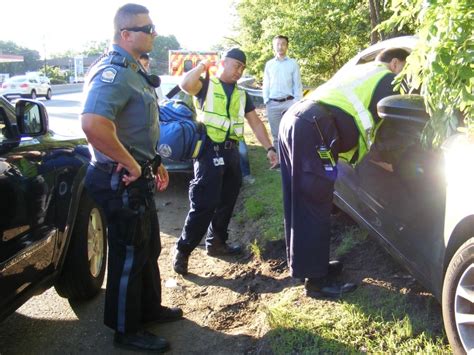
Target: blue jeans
{"x": 244, "y": 158}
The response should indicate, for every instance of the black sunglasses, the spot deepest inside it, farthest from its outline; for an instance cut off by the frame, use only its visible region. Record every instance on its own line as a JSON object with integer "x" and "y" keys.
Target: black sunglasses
{"x": 148, "y": 29}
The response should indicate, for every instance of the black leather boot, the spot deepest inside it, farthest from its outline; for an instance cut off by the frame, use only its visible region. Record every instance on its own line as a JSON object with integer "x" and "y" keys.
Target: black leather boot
{"x": 180, "y": 262}
{"x": 222, "y": 249}
{"x": 325, "y": 287}
{"x": 163, "y": 315}
{"x": 141, "y": 340}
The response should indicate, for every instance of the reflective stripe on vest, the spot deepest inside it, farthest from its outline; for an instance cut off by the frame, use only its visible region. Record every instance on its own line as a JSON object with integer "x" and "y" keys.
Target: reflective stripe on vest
{"x": 214, "y": 112}
{"x": 353, "y": 95}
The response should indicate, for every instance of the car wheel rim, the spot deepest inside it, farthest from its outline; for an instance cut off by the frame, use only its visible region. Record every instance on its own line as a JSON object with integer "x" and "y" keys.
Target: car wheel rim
{"x": 464, "y": 308}
{"x": 95, "y": 242}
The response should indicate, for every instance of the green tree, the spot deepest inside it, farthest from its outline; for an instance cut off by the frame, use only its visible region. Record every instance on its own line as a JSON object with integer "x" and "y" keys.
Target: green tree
{"x": 323, "y": 34}
{"x": 441, "y": 65}
{"x": 55, "y": 74}
{"x": 94, "y": 48}
{"x": 159, "y": 55}
{"x": 30, "y": 58}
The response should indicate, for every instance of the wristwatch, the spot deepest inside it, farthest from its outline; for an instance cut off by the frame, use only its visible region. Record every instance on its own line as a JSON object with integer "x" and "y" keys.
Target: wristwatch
{"x": 272, "y": 148}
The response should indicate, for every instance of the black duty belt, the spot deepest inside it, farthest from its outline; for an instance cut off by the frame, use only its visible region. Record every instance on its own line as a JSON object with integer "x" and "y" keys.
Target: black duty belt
{"x": 283, "y": 99}
{"x": 228, "y": 144}
{"x": 147, "y": 166}
{"x": 109, "y": 168}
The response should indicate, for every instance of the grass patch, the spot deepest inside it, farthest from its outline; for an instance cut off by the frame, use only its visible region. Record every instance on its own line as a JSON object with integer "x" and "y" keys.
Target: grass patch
{"x": 256, "y": 249}
{"x": 262, "y": 201}
{"x": 351, "y": 237}
{"x": 308, "y": 326}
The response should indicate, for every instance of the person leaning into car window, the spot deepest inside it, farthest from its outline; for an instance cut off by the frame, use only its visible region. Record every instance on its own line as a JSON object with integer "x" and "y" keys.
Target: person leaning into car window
{"x": 222, "y": 106}
{"x": 337, "y": 120}
{"x": 120, "y": 120}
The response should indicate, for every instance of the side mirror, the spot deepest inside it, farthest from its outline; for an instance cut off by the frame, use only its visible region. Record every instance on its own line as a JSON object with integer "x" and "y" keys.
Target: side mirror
{"x": 403, "y": 107}
{"x": 32, "y": 118}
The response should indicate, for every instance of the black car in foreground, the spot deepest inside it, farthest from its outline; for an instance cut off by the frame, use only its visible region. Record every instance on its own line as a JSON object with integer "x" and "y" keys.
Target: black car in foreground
{"x": 418, "y": 202}
{"x": 51, "y": 232}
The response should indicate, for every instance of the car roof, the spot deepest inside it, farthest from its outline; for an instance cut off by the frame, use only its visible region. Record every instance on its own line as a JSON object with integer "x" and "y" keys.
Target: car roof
{"x": 369, "y": 54}
{"x": 17, "y": 78}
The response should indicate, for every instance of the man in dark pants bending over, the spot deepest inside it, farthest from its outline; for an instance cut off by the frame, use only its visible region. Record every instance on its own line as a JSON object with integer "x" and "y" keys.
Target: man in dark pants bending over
{"x": 337, "y": 120}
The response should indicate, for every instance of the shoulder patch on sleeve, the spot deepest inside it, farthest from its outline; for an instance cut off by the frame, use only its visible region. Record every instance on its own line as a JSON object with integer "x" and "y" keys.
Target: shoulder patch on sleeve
{"x": 108, "y": 75}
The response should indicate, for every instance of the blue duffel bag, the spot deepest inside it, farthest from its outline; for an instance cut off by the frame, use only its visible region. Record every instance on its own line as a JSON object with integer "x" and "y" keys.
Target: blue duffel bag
{"x": 181, "y": 136}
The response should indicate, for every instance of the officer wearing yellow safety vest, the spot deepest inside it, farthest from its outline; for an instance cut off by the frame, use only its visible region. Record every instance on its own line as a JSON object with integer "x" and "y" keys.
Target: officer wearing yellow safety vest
{"x": 222, "y": 107}
{"x": 338, "y": 120}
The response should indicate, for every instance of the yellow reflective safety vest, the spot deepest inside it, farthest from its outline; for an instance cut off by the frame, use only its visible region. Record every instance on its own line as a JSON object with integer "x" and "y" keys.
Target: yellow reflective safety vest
{"x": 214, "y": 112}
{"x": 353, "y": 94}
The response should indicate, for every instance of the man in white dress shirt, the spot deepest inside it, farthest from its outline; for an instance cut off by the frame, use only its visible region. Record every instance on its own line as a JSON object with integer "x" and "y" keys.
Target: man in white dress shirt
{"x": 281, "y": 85}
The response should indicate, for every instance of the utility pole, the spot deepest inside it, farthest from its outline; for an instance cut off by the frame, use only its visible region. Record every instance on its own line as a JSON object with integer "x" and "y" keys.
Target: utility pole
{"x": 44, "y": 54}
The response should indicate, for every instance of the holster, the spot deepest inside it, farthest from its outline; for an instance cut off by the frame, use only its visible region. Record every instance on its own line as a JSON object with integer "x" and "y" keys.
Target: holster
{"x": 133, "y": 218}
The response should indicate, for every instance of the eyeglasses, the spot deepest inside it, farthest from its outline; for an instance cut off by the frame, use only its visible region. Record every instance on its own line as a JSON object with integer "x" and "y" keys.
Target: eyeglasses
{"x": 148, "y": 29}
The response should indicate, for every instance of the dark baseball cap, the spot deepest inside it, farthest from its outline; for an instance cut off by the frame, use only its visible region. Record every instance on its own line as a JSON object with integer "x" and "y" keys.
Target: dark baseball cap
{"x": 236, "y": 53}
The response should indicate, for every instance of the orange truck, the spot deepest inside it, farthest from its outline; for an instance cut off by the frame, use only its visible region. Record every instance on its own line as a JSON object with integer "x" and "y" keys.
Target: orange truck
{"x": 182, "y": 61}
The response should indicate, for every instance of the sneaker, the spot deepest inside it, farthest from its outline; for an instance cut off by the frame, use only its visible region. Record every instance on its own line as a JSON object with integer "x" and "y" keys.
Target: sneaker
{"x": 223, "y": 249}
{"x": 180, "y": 262}
{"x": 248, "y": 180}
{"x": 275, "y": 167}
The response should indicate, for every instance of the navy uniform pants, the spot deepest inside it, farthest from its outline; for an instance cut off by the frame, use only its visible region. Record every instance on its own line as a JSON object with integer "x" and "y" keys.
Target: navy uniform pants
{"x": 133, "y": 279}
{"x": 212, "y": 194}
{"x": 307, "y": 188}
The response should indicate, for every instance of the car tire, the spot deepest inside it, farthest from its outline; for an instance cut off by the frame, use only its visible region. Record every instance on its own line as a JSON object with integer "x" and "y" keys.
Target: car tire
{"x": 84, "y": 267}
{"x": 33, "y": 95}
{"x": 457, "y": 301}
{"x": 49, "y": 94}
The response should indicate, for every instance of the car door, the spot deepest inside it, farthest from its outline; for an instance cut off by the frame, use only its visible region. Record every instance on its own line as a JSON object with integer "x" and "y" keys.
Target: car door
{"x": 44, "y": 84}
{"x": 27, "y": 231}
{"x": 402, "y": 190}
{"x": 35, "y": 83}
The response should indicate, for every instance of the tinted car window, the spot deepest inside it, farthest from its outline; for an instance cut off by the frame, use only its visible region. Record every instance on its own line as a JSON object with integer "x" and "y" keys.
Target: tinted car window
{"x": 3, "y": 127}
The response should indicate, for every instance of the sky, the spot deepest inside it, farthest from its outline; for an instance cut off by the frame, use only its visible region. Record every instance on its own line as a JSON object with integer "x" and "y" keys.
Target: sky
{"x": 54, "y": 26}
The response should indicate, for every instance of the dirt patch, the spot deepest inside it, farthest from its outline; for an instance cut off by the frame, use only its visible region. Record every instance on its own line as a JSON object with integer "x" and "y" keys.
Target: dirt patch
{"x": 222, "y": 298}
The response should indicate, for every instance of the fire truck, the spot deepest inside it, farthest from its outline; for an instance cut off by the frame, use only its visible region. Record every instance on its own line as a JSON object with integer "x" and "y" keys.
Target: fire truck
{"x": 182, "y": 61}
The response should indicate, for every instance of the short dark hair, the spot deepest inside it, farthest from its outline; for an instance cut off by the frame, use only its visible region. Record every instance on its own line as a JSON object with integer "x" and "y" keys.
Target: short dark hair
{"x": 389, "y": 53}
{"x": 124, "y": 16}
{"x": 281, "y": 37}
